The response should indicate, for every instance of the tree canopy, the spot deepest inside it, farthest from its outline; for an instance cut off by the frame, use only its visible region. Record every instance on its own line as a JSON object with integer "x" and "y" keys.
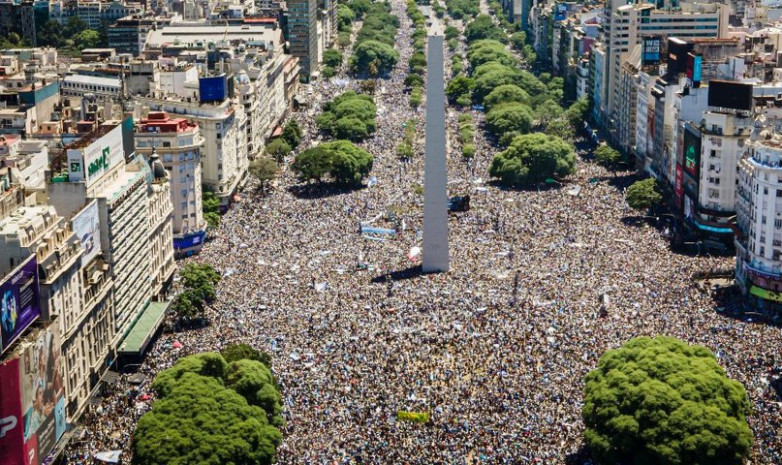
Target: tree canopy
{"x": 532, "y": 158}
{"x": 459, "y": 86}
{"x": 482, "y": 27}
{"x": 278, "y": 149}
{"x": 292, "y": 133}
{"x": 459, "y": 9}
{"x": 661, "y": 401}
{"x": 349, "y": 116}
{"x": 607, "y": 155}
{"x": 332, "y": 57}
{"x": 211, "y": 412}
{"x": 373, "y": 52}
{"x": 509, "y": 118}
{"x": 235, "y": 352}
{"x": 486, "y": 50}
{"x": 198, "y": 290}
{"x": 642, "y": 195}
{"x": 506, "y": 93}
{"x": 264, "y": 170}
{"x": 343, "y": 161}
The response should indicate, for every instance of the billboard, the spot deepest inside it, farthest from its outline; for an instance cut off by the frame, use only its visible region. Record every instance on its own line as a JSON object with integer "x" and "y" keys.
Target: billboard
{"x": 19, "y": 306}
{"x": 213, "y": 89}
{"x": 678, "y": 186}
{"x": 694, "y": 68}
{"x": 730, "y": 94}
{"x": 692, "y": 153}
{"x": 86, "y": 225}
{"x": 90, "y": 163}
{"x": 560, "y": 11}
{"x": 43, "y": 395}
{"x": 11, "y": 425}
{"x": 650, "y": 54}
{"x": 191, "y": 240}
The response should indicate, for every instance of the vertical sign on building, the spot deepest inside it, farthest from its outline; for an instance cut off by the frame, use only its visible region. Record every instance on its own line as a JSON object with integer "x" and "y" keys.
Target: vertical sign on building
{"x": 43, "y": 395}
{"x": 19, "y": 301}
{"x": 11, "y": 424}
{"x": 650, "y": 54}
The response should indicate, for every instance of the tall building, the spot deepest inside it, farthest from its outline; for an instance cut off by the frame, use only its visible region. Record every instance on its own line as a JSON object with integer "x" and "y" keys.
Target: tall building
{"x": 759, "y": 222}
{"x": 178, "y": 143}
{"x": 129, "y": 34}
{"x": 303, "y": 34}
{"x": 624, "y": 26}
{"x": 96, "y": 168}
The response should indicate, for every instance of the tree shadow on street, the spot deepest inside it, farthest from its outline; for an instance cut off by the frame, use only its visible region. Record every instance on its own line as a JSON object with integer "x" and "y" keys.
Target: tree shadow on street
{"x": 322, "y": 190}
{"x": 579, "y": 457}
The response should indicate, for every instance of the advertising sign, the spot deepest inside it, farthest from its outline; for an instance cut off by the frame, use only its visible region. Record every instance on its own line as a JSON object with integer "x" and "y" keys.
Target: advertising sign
{"x": 728, "y": 94}
{"x": 213, "y": 89}
{"x": 90, "y": 163}
{"x": 19, "y": 301}
{"x": 10, "y": 414}
{"x": 694, "y": 69}
{"x": 86, "y": 225}
{"x": 560, "y": 12}
{"x": 191, "y": 240}
{"x": 43, "y": 396}
{"x": 692, "y": 153}
{"x": 103, "y": 154}
{"x": 678, "y": 186}
{"x": 651, "y": 50}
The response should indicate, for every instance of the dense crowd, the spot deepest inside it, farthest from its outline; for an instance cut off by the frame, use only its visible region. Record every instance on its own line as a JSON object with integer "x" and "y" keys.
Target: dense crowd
{"x": 542, "y": 282}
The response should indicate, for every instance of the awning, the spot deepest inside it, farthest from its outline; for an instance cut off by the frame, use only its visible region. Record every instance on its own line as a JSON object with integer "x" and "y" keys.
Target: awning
{"x": 713, "y": 229}
{"x": 147, "y": 324}
{"x": 765, "y": 294}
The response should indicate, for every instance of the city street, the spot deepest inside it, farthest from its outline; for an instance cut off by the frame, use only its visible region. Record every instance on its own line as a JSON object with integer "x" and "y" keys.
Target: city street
{"x": 495, "y": 350}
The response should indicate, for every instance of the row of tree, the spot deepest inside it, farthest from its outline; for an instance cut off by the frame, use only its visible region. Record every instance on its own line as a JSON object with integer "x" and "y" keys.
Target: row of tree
{"x": 373, "y": 53}
{"x": 212, "y": 409}
{"x": 417, "y": 62}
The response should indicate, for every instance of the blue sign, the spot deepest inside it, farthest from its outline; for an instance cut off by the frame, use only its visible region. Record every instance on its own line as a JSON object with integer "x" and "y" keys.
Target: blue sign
{"x": 560, "y": 12}
{"x": 190, "y": 240}
{"x": 213, "y": 89}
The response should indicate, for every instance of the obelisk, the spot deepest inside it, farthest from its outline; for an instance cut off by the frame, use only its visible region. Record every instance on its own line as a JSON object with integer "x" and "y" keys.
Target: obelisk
{"x": 435, "y": 247}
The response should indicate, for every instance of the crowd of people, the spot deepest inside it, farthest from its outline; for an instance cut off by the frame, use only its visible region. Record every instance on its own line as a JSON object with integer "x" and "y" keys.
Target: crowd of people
{"x": 542, "y": 283}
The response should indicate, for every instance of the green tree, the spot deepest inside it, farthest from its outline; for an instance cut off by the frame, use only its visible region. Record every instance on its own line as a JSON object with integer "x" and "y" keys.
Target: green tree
{"x": 414, "y": 80}
{"x": 510, "y": 117}
{"x": 264, "y": 170}
{"x": 359, "y": 7}
{"x": 332, "y": 57}
{"x": 518, "y": 40}
{"x": 661, "y": 401}
{"x": 74, "y": 26}
{"x": 349, "y": 116}
{"x": 561, "y": 128}
{"x": 485, "y": 51}
{"x": 211, "y": 412}
{"x": 241, "y": 351}
{"x": 345, "y": 18}
{"x": 482, "y": 27}
{"x": 50, "y": 34}
{"x": 642, "y": 195}
{"x": 188, "y": 304}
{"x": 87, "y": 39}
{"x": 607, "y": 155}
{"x": 198, "y": 282}
{"x": 210, "y": 205}
{"x": 451, "y": 33}
{"x": 292, "y": 133}
{"x": 278, "y": 149}
{"x": 577, "y": 112}
{"x": 369, "y": 52}
{"x": 459, "y": 86}
{"x": 532, "y": 158}
{"x": 346, "y": 163}
{"x": 547, "y": 111}
{"x": 506, "y": 93}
